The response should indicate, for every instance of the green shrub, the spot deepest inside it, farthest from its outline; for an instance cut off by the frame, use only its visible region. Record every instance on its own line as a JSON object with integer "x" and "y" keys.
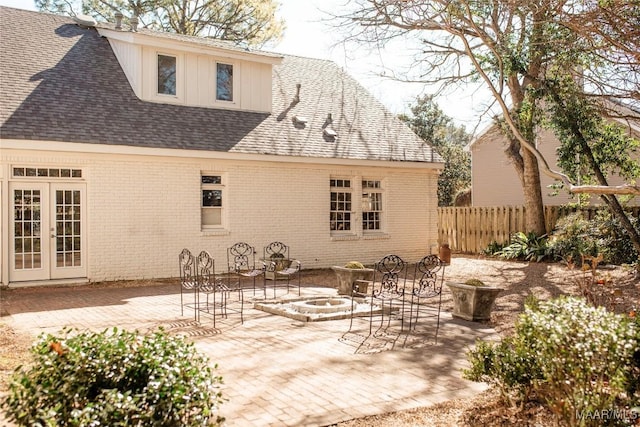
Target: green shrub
{"x": 354, "y": 264}
{"x": 508, "y": 365}
{"x": 585, "y": 354}
{"x": 578, "y": 358}
{"x": 574, "y": 236}
{"x": 633, "y": 383}
{"x": 474, "y": 282}
{"x": 613, "y": 240}
{"x": 114, "y": 378}
{"x": 526, "y": 246}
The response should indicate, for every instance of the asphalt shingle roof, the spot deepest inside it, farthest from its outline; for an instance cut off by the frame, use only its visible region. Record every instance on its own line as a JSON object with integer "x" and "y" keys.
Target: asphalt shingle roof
{"x": 62, "y": 82}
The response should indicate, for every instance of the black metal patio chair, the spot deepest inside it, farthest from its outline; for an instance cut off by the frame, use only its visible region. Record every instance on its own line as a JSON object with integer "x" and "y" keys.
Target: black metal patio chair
{"x": 188, "y": 281}
{"x": 280, "y": 266}
{"x": 385, "y": 294}
{"x": 241, "y": 263}
{"x": 427, "y": 286}
{"x": 223, "y": 297}
{"x": 388, "y": 290}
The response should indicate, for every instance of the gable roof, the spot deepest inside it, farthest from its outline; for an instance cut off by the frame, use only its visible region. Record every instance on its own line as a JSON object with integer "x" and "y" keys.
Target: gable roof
{"x": 62, "y": 82}
{"x": 625, "y": 116}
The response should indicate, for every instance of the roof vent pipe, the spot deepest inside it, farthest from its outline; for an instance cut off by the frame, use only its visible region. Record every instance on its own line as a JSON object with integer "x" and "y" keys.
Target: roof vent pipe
{"x": 118, "y": 16}
{"x": 134, "y": 23}
{"x": 85, "y": 21}
{"x": 329, "y": 118}
{"x": 330, "y": 133}
{"x": 297, "y": 98}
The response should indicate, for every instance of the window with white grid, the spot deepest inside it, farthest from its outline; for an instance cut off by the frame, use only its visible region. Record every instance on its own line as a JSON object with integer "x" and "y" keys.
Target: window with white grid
{"x": 371, "y": 205}
{"x": 341, "y": 204}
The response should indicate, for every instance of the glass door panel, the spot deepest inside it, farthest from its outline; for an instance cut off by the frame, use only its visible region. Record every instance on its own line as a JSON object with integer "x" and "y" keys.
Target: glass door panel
{"x": 28, "y": 254}
{"x": 27, "y": 230}
{"x": 67, "y": 237}
{"x": 68, "y": 245}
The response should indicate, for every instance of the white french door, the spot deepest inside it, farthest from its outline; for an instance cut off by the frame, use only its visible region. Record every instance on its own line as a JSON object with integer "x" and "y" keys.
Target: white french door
{"x": 48, "y": 231}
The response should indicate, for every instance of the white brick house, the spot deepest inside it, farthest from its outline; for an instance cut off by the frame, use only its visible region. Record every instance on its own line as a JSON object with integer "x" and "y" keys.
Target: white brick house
{"x": 120, "y": 148}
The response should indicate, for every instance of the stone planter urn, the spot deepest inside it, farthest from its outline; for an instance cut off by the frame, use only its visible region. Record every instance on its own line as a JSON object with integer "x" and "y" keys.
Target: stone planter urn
{"x": 347, "y": 277}
{"x": 473, "y": 302}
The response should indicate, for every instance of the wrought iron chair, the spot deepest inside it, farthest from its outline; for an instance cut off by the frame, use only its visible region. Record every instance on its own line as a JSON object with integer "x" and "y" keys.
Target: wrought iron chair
{"x": 219, "y": 291}
{"x": 427, "y": 285}
{"x": 385, "y": 295}
{"x": 188, "y": 280}
{"x": 388, "y": 287}
{"x": 241, "y": 263}
{"x": 279, "y": 265}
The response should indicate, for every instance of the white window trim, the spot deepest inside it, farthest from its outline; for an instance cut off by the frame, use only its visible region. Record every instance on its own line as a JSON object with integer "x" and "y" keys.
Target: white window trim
{"x": 214, "y": 78}
{"x": 353, "y": 231}
{"x": 48, "y": 176}
{"x": 179, "y": 96}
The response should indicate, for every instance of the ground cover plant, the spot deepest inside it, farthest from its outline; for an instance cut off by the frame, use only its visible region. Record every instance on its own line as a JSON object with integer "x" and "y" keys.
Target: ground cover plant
{"x": 114, "y": 378}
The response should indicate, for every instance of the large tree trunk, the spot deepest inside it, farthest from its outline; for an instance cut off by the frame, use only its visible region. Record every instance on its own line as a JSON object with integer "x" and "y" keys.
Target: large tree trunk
{"x": 524, "y": 160}
{"x": 533, "y": 204}
{"x": 526, "y": 167}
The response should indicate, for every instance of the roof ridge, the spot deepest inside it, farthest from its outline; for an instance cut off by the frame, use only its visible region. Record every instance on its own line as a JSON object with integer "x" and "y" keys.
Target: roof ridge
{"x": 291, "y": 55}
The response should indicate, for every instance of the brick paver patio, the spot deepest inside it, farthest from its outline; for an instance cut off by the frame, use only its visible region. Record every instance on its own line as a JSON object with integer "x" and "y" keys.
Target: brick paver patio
{"x": 277, "y": 371}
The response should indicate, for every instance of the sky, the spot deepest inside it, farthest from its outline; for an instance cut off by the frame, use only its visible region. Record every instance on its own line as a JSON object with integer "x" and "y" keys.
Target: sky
{"x": 309, "y": 33}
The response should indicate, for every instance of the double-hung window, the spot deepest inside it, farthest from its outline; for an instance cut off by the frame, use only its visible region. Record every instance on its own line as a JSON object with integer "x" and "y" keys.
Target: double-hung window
{"x": 167, "y": 69}
{"x": 212, "y": 201}
{"x": 341, "y": 205}
{"x": 371, "y": 205}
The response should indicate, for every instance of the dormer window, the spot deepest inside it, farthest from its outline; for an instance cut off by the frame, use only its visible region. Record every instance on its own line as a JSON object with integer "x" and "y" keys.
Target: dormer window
{"x": 224, "y": 82}
{"x": 194, "y": 71}
{"x": 167, "y": 66}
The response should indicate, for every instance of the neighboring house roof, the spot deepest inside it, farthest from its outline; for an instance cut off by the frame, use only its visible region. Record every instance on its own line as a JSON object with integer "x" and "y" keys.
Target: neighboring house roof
{"x": 62, "y": 82}
{"x": 625, "y": 116}
{"x": 490, "y": 131}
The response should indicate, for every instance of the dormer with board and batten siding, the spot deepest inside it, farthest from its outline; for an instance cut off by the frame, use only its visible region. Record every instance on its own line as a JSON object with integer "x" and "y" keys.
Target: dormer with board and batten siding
{"x": 193, "y": 71}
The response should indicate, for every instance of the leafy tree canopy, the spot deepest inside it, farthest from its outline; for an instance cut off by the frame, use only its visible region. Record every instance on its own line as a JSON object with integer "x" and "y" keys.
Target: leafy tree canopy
{"x": 430, "y": 123}
{"x": 250, "y": 22}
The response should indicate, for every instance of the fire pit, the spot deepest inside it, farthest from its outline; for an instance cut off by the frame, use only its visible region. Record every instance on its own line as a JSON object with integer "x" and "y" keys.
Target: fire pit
{"x": 322, "y": 305}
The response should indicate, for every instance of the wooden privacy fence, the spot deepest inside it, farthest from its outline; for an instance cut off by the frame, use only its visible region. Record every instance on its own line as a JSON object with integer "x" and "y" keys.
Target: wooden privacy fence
{"x": 472, "y": 229}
